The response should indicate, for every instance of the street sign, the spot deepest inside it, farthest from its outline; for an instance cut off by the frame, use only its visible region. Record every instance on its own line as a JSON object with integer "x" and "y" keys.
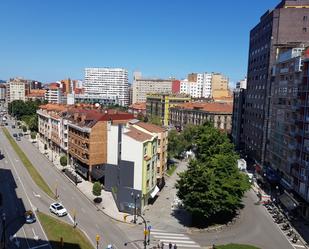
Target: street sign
{"x": 149, "y": 228}
{"x": 145, "y": 232}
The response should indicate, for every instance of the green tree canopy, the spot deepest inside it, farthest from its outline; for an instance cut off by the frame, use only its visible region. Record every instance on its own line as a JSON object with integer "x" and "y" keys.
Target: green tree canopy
{"x": 63, "y": 161}
{"x": 96, "y": 189}
{"x": 212, "y": 186}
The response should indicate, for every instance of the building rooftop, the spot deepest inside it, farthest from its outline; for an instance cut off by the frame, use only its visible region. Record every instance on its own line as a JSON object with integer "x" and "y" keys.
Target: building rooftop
{"x": 150, "y": 127}
{"x": 138, "y": 106}
{"x": 207, "y": 107}
{"x": 36, "y": 93}
{"x": 138, "y": 135}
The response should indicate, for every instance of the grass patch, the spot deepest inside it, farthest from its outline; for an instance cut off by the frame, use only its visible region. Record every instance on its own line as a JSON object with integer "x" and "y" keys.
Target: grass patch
{"x": 37, "y": 178}
{"x": 236, "y": 246}
{"x": 171, "y": 169}
{"x": 73, "y": 238}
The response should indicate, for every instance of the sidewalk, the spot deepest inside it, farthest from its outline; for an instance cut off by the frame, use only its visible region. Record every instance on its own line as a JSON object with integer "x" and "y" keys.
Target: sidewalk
{"x": 107, "y": 206}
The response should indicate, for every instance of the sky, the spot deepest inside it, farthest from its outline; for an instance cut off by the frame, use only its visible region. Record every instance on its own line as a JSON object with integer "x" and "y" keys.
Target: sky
{"x": 49, "y": 40}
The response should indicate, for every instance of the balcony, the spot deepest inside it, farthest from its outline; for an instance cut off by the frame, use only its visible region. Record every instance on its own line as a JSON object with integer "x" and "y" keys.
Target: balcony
{"x": 292, "y": 146}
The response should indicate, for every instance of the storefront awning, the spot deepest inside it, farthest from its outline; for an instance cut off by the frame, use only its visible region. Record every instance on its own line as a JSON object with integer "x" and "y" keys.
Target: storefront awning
{"x": 288, "y": 201}
{"x": 154, "y": 192}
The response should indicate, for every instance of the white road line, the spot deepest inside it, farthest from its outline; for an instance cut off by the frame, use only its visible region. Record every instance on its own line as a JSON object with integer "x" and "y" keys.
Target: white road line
{"x": 32, "y": 207}
{"x": 70, "y": 217}
{"x": 25, "y": 237}
{"x": 35, "y": 247}
{"x": 185, "y": 246}
{"x": 178, "y": 241}
{"x": 170, "y": 237}
{"x": 299, "y": 246}
{"x": 168, "y": 234}
{"x": 156, "y": 230}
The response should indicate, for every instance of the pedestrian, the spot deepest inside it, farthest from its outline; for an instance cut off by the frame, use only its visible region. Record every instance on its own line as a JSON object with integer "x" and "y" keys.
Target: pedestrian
{"x": 175, "y": 246}
{"x": 158, "y": 246}
{"x": 170, "y": 245}
{"x": 162, "y": 245}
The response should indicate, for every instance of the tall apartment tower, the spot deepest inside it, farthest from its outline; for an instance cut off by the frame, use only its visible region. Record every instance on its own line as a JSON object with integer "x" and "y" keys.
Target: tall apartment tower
{"x": 284, "y": 27}
{"x": 107, "y": 83}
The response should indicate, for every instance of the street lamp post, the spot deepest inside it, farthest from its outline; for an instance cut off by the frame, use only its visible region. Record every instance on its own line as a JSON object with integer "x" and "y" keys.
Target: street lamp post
{"x": 135, "y": 197}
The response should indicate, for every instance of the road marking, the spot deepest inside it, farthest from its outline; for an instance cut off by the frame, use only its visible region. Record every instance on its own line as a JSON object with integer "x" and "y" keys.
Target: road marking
{"x": 36, "y": 195}
{"x": 299, "y": 246}
{"x": 167, "y": 234}
{"x": 156, "y": 230}
{"x": 35, "y": 247}
{"x": 70, "y": 217}
{"x": 178, "y": 241}
{"x": 25, "y": 237}
{"x": 34, "y": 235}
{"x": 169, "y": 237}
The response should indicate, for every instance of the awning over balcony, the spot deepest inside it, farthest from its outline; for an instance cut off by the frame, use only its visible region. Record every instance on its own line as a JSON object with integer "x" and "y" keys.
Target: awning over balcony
{"x": 154, "y": 192}
{"x": 288, "y": 201}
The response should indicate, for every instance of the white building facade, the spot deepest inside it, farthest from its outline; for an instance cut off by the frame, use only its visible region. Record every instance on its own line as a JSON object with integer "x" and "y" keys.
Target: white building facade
{"x": 200, "y": 88}
{"x": 112, "y": 83}
{"x": 16, "y": 90}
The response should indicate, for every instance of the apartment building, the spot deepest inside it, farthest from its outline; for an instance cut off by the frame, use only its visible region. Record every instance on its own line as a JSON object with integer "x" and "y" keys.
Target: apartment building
{"x": 88, "y": 139}
{"x": 53, "y": 130}
{"x": 197, "y": 113}
{"x": 219, "y": 86}
{"x": 2, "y": 92}
{"x": 53, "y": 93}
{"x": 107, "y": 83}
{"x": 138, "y": 109}
{"x": 36, "y": 94}
{"x": 158, "y": 105}
{"x": 16, "y": 89}
{"x": 197, "y": 85}
{"x": 288, "y": 147}
{"x": 161, "y": 134}
{"x": 239, "y": 96}
{"x": 271, "y": 35}
{"x": 144, "y": 86}
{"x": 131, "y": 177}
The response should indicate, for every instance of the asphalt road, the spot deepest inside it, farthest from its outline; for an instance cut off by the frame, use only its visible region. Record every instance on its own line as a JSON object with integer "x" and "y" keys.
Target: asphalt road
{"x": 91, "y": 221}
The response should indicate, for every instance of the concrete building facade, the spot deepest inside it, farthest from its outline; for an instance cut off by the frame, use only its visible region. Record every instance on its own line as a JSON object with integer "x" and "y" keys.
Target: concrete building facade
{"x": 197, "y": 113}
{"x": 108, "y": 82}
{"x": 143, "y": 86}
{"x": 278, "y": 29}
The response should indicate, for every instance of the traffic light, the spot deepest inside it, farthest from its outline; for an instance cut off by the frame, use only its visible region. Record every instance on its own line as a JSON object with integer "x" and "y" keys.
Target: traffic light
{"x": 97, "y": 238}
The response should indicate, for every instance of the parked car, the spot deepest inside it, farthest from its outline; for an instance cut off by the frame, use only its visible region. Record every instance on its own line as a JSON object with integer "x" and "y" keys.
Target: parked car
{"x": 18, "y": 138}
{"x": 58, "y": 209}
{"x": 13, "y": 126}
{"x": 14, "y": 134}
{"x": 20, "y": 134}
{"x": 29, "y": 217}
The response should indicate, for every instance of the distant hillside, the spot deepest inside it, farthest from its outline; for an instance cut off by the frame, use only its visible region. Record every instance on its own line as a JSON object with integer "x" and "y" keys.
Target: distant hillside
{"x": 2, "y": 81}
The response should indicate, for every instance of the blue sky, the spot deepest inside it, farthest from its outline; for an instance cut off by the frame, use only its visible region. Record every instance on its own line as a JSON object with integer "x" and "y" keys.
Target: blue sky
{"x": 49, "y": 40}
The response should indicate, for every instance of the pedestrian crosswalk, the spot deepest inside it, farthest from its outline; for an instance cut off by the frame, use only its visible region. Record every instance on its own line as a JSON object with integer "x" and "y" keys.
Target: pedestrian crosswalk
{"x": 181, "y": 240}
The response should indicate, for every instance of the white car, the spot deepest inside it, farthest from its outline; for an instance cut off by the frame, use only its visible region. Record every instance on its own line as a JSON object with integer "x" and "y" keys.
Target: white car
{"x": 58, "y": 209}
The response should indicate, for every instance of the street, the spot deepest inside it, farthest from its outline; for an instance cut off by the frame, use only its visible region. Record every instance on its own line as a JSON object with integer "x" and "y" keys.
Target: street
{"x": 255, "y": 226}
{"x": 88, "y": 218}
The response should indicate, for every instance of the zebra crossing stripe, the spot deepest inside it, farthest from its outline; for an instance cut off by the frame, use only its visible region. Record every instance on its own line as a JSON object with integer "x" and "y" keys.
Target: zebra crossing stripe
{"x": 178, "y": 241}
{"x": 168, "y": 234}
{"x": 170, "y": 237}
{"x": 184, "y": 246}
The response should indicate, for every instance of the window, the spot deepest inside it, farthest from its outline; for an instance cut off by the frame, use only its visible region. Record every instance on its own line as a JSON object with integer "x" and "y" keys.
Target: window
{"x": 304, "y": 30}
{"x": 145, "y": 150}
{"x": 147, "y": 183}
{"x": 148, "y": 167}
{"x": 305, "y": 18}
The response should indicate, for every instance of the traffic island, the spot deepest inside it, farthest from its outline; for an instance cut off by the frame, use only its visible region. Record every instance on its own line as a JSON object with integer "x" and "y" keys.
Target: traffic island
{"x": 35, "y": 175}
{"x": 62, "y": 235}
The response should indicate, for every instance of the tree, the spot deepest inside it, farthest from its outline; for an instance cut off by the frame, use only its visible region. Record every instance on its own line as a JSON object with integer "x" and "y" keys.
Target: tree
{"x": 63, "y": 161}
{"x": 33, "y": 136}
{"x": 96, "y": 191}
{"x": 24, "y": 128}
{"x": 212, "y": 188}
{"x": 156, "y": 120}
